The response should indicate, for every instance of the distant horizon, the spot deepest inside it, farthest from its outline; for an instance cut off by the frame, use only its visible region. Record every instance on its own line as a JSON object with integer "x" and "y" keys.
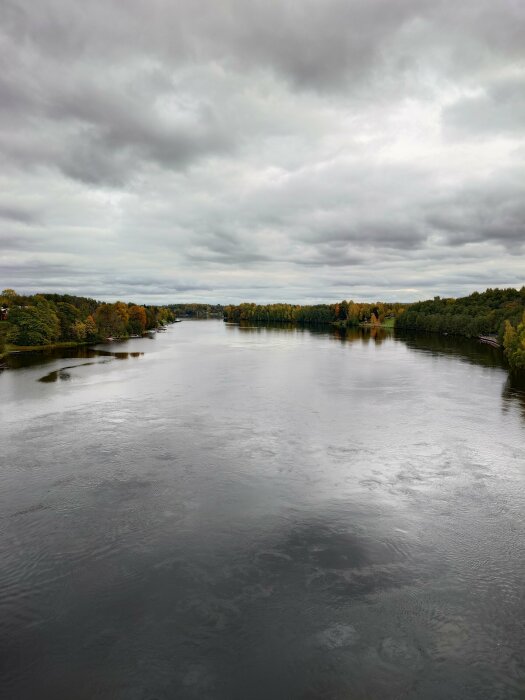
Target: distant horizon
{"x": 167, "y": 302}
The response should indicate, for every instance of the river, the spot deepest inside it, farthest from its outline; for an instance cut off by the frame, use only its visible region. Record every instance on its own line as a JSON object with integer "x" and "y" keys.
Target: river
{"x": 245, "y": 513}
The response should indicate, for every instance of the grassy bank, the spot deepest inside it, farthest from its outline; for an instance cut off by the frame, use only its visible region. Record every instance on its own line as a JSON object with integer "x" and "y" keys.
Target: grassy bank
{"x": 387, "y": 323}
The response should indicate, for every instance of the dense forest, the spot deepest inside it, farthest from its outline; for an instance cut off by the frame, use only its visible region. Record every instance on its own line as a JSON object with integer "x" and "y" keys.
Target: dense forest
{"x": 46, "y": 319}
{"x": 478, "y": 314}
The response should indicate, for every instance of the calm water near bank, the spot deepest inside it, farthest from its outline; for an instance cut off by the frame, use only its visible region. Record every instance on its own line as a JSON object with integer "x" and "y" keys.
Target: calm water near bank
{"x": 255, "y": 513}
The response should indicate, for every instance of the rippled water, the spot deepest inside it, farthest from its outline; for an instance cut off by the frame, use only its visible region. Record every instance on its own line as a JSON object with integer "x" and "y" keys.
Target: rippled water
{"x": 262, "y": 513}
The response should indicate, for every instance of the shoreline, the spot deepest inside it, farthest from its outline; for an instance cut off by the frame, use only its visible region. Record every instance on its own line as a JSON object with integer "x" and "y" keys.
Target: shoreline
{"x": 15, "y": 349}
{"x": 19, "y": 349}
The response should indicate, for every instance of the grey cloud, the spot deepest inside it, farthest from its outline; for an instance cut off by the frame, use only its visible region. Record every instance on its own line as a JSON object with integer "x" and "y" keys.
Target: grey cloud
{"x": 18, "y": 214}
{"x": 246, "y": 149}
{"x": 313, "y": 43}
{"x": 500, "y": 109}
{"x": 492, "y": 211}
{"x": 107, "y": 130}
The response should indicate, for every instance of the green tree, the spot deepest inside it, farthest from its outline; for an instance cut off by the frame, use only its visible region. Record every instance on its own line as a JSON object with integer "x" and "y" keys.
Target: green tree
{"x": 35, "y": 324}
{"x": 91, "y": 329}
{"x": 514, "y": 344}
{"x": 68, "y": 315}
{"x": 4, "y": 332}
{"x": 8, "y": 295}
{"x": 78, "y": 331}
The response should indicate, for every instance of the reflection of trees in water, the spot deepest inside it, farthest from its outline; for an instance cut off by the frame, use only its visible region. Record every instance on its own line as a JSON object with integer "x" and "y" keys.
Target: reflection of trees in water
{"x": 466, "y": 349}
{"x": 43, "y": 357}
{"x": 474, "y": 352}
{"x": 514, "y": 393}
{"x": 364, "y": 335}
{"x": 261, "y": 327}
{"x": 345, "y": 335}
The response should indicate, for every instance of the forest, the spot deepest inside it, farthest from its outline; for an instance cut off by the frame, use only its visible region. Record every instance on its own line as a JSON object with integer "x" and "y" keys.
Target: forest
{"x": 482, "y": 313}
{"x": 47, "y": 319}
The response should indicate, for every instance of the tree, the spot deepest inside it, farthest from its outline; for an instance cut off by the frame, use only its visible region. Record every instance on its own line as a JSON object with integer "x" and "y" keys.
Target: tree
{"x": 137, "y": 319}
{"x": 91, "y": 329}
{"x": 78, "y": 331}
{"x": 514, "y": 344}
{"x": 8, "y": 295}
{"x": 122, "y": 310}
{"x": 4, "y": 332}
{"x": 68, "y": 315}
{"x": 110, "y": 320}
{"x": 36, "y": 324}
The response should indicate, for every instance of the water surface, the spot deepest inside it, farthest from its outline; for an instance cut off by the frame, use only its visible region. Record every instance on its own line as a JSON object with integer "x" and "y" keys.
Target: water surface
{"x": 228, "y": 512}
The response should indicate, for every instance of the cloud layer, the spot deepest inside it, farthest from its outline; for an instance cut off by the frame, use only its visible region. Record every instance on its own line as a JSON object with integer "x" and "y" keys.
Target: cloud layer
{"x": 249, "y": 150}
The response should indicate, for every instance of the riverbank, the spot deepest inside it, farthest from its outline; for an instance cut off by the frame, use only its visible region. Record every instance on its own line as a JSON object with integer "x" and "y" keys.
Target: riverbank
{"x": 11, "y": 349}
{"x": 15, "y": 349}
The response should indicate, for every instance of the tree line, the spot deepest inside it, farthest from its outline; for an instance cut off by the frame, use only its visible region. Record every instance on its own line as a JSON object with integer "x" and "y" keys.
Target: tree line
{"x": 344, "y": 313}
{"x": 497, "y": 312}
{"x": 197, "y": 310}
{"x": 45, "y": 319}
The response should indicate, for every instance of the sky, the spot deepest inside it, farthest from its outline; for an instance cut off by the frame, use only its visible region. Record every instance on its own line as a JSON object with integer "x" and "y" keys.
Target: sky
{"x": 262, "y": 150}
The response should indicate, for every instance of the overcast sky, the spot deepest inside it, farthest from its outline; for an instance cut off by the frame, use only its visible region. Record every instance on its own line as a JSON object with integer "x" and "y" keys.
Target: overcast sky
{"x": 261, "y": 150}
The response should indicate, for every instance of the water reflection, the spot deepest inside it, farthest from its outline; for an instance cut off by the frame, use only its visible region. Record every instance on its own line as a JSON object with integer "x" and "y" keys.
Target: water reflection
{"x": 514, "y": 393}
{"x": 63, "y": 374}
{"x": 262, "y": 327}
{"x": 465, "y": 349}
{"x": 118, "y": 355}
{"x": 18, "y": 360}
{"x": 364, "y": 335}
{"x": 349, "y": 335}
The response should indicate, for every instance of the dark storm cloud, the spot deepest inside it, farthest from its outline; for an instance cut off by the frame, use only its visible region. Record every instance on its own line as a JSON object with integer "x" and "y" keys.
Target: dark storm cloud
{"x": 245, "y": 149}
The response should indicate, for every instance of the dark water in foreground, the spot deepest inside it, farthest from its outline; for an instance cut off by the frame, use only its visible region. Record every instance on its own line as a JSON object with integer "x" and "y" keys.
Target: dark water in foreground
{"x": 257, "y": 513}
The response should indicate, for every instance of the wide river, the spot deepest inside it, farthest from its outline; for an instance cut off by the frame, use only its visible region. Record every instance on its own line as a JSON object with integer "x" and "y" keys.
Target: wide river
{"x": 257, "y": 513}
